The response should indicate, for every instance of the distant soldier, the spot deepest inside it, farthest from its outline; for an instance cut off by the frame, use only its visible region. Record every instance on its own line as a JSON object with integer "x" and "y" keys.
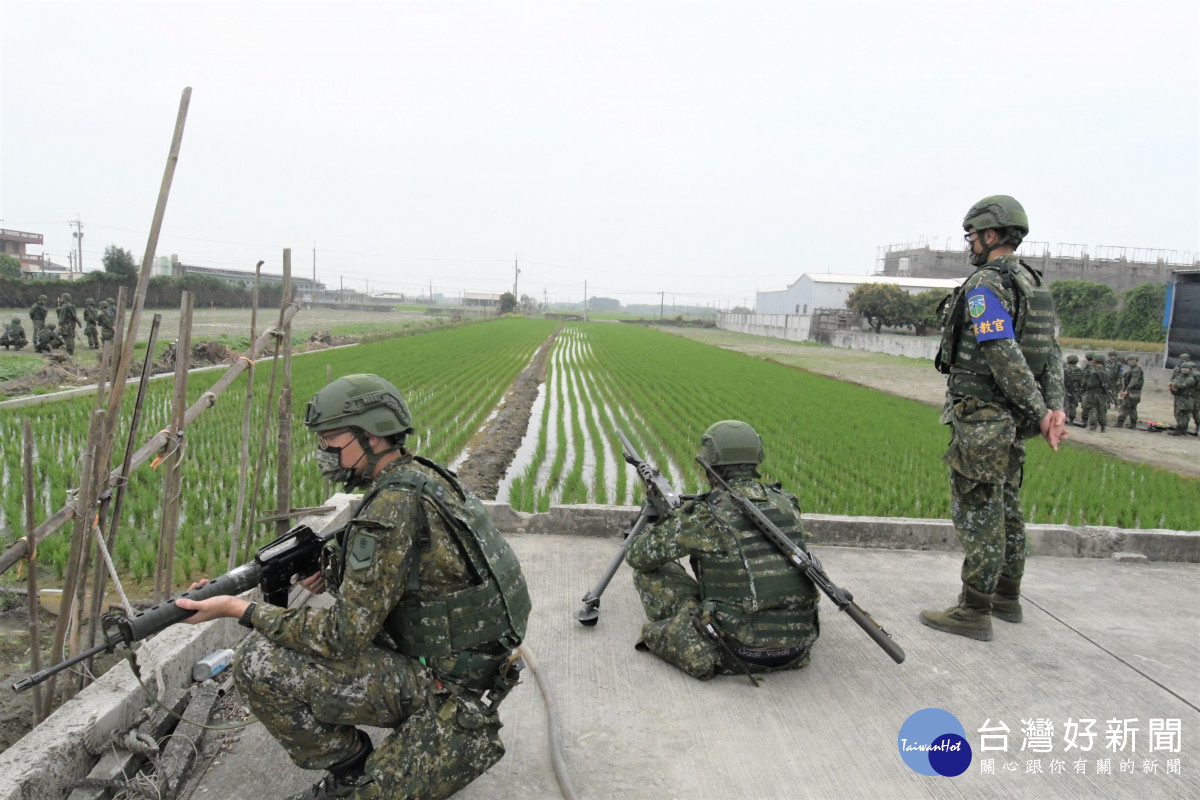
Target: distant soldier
{"x": 1073, "y": 382}
{"x": 1089, "y": 362}
{"x": 1113, "y": 367}
{"x": 90, "y": 318}
{"x": 1131, "y": 392}
{"x": 1184, "y": 390}
{"x": 105, "y": 319}
{"x": 47, "y": 339}
{"x": 67, "y": 322}
{"x": 14, "y": 336}
{"x": 37, "y": 313}
{"x": 1095, "y": 394}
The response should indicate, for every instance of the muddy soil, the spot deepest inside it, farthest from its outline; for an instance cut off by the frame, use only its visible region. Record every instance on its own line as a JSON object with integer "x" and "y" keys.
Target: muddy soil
{"x": 916, "y": 379}
{"x": 493, "y": 449}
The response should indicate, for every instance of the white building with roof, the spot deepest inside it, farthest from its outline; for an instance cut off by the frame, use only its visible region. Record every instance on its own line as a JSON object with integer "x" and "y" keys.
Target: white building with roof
{"x": 827, "y": 290}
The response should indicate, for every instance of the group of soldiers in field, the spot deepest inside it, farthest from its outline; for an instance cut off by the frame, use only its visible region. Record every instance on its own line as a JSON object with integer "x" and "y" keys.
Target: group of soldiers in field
{"x": 1101, "y": 382}
{"x": 98, "y": 323}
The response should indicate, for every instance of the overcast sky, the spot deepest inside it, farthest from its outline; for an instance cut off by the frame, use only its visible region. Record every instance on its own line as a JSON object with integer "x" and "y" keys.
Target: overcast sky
{"x": 702, "y": 149}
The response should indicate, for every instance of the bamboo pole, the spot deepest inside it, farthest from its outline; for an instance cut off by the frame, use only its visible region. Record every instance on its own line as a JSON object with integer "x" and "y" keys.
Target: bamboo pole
{"x": 172, "y": 478}
{"x": 248, "y": 541}
{"x": 31, "y": 595}
{"x": 99, "y": 581}
{"x": 283, "y": 434}
{"x": 244, "y": 455}
{"x": 18, "y": 549}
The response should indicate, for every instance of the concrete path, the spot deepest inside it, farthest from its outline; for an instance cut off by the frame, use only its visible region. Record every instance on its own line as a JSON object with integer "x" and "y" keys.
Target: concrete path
{"x": 1101, "y": 640}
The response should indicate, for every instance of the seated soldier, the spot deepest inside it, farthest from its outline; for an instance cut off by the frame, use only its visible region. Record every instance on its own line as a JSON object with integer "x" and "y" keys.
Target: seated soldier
{"x": 48, "y": 338}
{"x": 14, "y": 336}
{"x": 748, "y": 608}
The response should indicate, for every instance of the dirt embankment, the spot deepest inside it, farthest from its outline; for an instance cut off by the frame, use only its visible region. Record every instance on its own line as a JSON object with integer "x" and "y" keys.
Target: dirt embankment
{"x": 494, "y": 449}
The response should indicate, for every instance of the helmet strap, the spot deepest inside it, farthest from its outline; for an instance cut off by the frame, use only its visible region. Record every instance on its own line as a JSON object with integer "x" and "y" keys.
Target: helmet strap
{"x": 373, "y": 457}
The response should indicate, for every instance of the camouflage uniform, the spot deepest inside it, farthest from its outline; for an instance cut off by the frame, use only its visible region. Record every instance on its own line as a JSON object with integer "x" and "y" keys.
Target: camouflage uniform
{"x": 1112, "y": 367}
{"x": 90, "y": 318}
{"x": 67, "y": 322}
{"x": 1183, "y": 389}
{"x": 1183, "y": 357}
{"x": 37, "y": 313}
{"x": 107, "y": 318}
{"x": 1131, "y": 394}
{"x": 1005, "y": 375}
{"x": 1073, "y": 386}
{"x": 1095, "y": 395}
{"x": 764, "y": 609}
{"x": 48, "y": 338}
{"x": 313, "y": 675}
{"x": 14, "y": 336}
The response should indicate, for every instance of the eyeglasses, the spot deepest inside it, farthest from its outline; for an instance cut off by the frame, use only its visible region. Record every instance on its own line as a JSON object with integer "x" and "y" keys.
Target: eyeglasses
{"x": 970, "y": 237}
{"x": 324, "y": 438}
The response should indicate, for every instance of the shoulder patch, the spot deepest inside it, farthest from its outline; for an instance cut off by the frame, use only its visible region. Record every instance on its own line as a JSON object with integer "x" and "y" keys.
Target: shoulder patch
{"x": 360, "y": 553}
{"x": 990, "y": 320}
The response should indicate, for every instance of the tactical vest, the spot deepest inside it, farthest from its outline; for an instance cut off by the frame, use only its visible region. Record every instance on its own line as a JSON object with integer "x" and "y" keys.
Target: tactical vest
{"x": 755, "y": 584}
{"x": 489, "y": 617}
{"x": 960, "y": 354}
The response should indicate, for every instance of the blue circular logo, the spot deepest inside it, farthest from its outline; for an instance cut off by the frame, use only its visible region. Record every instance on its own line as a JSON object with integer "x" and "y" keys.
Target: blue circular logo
{"x": 933, "y": 742}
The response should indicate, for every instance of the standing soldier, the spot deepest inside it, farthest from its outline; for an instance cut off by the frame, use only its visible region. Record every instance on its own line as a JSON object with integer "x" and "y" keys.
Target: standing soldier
{"x": 1073, "y": 383}
{"x": 90, "y": 318}
{"x": 1095, "y": 394}
{"x": 748, "y": 608}
{"x": 1131, "y": 392}
{"x": 67, "y": 322}
{"x": 47, "y": 339}
{"x": 1113, "y": 367}
{"x": 1184, "y": 390}
{"x": 1004, "y": 385}
{"x": 104, "y": 318}
{"x": 14, "y": 336}
{"x": 37, "y": 313}
{"x": 1089, "y": 363}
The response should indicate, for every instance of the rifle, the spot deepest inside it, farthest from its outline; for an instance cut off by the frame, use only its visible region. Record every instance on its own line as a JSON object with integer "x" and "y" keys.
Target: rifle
{"x": 661, "y": 499}
{"x": 297, "y": 552}
{"x": 808, "y": 565}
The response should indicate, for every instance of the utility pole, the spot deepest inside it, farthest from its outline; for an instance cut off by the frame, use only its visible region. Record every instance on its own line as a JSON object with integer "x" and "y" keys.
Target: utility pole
{"x": 314, "y": 266}
{"x": 516, "y": 272}
{"x": 661, "y": 298}
{"x": 585, "y": 301}
{"x": 78, "y": 234}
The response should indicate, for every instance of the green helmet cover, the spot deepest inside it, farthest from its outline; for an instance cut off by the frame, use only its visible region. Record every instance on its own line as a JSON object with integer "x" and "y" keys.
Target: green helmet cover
{"x": 731, "y": 442}
{"x": 16, "y": 321}
{"x": 41, "y": 298}
{"x": 1074, "y": 359}
{"x": 361, "y": 401}
{"x": 1099, "y": 359}
{"x": 66, "y": 296}
{"x": 90, "y": 302}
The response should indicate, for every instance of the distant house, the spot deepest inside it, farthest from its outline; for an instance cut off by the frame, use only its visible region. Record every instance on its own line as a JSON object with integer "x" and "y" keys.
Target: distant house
{"x": 824, "y": 290}
{"x": 13, "y": 243}
{"x": 481, "y": 299}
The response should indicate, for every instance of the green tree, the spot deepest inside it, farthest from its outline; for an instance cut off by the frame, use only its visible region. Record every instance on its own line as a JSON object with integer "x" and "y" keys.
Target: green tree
{"x": 882, "y": 304}
{"x": 925, "y": 310}
{"x": 119, "y": 262}
{"x": 1141, "y": 319}
{"x": 9, "y": 267}
{"x": 508, "y": 303}
{"x": 1085, "y": 308}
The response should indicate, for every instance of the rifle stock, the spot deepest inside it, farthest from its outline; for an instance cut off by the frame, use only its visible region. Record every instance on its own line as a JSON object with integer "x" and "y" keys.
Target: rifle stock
{"x": 810, "y": 566}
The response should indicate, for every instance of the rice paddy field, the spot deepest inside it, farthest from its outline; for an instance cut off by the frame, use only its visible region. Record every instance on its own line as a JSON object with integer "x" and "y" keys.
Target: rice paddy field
{"x": 842, "y": 448}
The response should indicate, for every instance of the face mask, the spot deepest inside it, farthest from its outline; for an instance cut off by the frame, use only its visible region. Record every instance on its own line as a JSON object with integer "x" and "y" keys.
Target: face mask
{"x": 329, "y": 462}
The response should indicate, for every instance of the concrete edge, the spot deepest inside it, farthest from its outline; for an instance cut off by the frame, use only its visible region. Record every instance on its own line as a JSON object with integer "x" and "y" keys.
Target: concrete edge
{"x": 48, "y": 761}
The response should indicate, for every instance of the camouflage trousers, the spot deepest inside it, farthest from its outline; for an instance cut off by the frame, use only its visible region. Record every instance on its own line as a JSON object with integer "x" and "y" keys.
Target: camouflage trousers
{"x": 444, "y": 736}
{"x": 1095, "y": 409}
{"x": 1070, "y": 406}
{"x": 93, "y": 339}
{"x": 1128, "y": 409}
{"x": 987, "y": 462}
{"x": 1187, "y": 408}
{"x": 672, "y": 601}
{"x": 68, "y": 336}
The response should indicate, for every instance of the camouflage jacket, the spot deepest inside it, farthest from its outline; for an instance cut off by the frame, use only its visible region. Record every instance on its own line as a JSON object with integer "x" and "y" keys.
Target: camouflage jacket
{"x": 378, "y": 556}
{"x": 1133, "y": 380}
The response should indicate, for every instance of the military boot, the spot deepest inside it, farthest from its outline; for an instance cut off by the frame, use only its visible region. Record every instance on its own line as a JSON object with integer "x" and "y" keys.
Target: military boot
{"x": 972, "y": 617}
{"x": 1006, "y": 602}
{"x": 345, "y": 777}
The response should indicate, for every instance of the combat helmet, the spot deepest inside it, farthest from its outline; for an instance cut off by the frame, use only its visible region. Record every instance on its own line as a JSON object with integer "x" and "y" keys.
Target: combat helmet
{"x": 41, "y": 298}
{"x": 1099, "y": 358}
{"x": 1001, "y": 213}
{"x": 90, "y": 302}
{"x": 1073, "y": 359}
{"x": 731, "y": 442}
{"x": 16, "y": 321}
{"x": 66, "y": 297}
{"x": 367, "y": 402}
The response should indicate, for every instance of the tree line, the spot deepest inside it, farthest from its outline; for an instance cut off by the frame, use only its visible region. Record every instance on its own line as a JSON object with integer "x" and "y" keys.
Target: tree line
{"x": 1086, "y": 309}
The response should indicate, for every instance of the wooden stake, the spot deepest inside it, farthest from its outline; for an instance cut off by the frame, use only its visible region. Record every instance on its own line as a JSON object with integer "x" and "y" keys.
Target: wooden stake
{"x": 172, "y": 483}
{"x": 283, "y": 485}
{"x": 31, "y": 595}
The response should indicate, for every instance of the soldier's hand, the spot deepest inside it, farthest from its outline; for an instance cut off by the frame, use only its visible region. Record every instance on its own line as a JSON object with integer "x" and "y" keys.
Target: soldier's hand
{"x": 1053, "y": 428}
{"x": 212, "y": 608}
{"x": 314, "y": 583}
